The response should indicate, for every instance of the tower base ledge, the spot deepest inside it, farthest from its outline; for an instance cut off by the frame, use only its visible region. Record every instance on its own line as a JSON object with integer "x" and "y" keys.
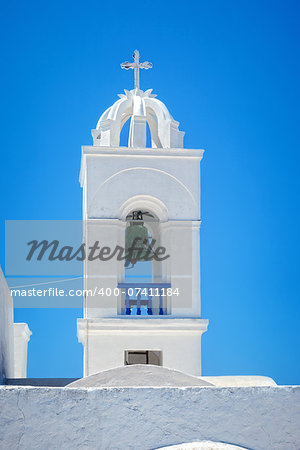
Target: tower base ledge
{"x": 106, "y": 326}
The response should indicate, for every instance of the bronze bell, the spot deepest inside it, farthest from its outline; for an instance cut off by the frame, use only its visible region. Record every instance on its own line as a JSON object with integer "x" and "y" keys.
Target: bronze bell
{"x": 137, "y": 247}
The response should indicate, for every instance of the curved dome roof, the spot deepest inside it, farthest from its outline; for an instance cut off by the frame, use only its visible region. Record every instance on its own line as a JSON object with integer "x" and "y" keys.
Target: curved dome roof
{"x": 139, "y": 375}
{"x": 142, "y": 107}
{"x": 135, "y": 102}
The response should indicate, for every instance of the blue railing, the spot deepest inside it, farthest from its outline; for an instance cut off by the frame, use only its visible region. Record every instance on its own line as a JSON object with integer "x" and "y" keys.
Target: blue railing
{"x": 149, "y": 298}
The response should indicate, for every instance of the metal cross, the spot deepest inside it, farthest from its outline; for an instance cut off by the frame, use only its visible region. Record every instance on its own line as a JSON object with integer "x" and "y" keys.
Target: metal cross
{"x": 136, "y": 65}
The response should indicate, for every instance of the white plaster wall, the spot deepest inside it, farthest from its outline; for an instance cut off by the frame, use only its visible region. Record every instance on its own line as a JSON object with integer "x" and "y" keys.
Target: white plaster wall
{"x": 112, "y": 176}
{"x": 260, "y": 418}
{"x": 106, "y": 340}
{"x": 183, "y": 245}
{"x": 181, "y": 352}
{"x": 6, "y": 331}
{"x": 102, "y": 274}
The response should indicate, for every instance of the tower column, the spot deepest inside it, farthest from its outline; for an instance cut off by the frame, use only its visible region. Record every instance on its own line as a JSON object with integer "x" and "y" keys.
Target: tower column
{"x": 137, "y": 133}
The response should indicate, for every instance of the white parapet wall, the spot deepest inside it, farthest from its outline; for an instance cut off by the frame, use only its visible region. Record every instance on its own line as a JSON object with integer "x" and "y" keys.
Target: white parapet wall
{"x": 260, "y": 418}
{"x": 6, "y": 331}
{"x": 14, "y": 337}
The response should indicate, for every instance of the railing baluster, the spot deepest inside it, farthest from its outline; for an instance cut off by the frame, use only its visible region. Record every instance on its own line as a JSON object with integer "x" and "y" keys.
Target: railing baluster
{"x": 138, "y": 304}
{"x": 149, "y": 303}
{"x": 127, "y": 306}
{"x": 161, "y": 311}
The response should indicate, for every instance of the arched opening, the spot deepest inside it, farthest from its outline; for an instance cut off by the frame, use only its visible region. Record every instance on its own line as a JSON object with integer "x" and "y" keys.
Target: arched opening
{"x": 141, "y": 233}
{"x": 152, "y": 120}
{"x": 144, "y": 293}
{"x": 125, "y": 131}
{"x": 148, "y": 136}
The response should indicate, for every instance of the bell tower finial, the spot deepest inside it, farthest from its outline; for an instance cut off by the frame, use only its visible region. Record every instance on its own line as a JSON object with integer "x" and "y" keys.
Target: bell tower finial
{"x": 136, "y": 65}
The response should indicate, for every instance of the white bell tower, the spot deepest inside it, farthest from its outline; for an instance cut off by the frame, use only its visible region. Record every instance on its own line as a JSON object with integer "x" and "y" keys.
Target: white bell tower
{"x": 141, "y": 310}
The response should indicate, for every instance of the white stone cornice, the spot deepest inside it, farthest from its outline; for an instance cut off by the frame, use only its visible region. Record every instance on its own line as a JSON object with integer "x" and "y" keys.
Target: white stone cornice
{"x": 127, "y": 151}
{"x": 140, "y": 326}
{"x": 182, "y": 224}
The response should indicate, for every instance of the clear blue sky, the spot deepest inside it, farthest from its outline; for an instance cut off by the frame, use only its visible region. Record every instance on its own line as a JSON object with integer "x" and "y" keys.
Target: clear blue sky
{"x": 229, "y": 72}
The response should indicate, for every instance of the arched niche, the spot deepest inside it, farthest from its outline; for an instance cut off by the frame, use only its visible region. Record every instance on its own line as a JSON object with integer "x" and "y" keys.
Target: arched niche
{"x": 153, "y": 204}
{"x": 203, "y": 445}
